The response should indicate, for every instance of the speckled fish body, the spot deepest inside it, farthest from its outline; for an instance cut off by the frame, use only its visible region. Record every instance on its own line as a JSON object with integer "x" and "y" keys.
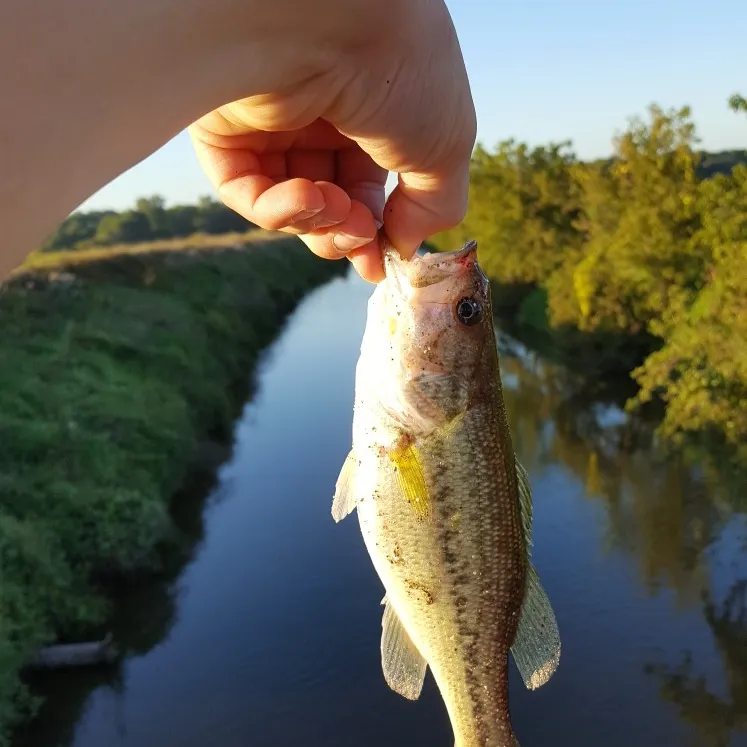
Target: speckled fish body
{"x": 443, "y": 504}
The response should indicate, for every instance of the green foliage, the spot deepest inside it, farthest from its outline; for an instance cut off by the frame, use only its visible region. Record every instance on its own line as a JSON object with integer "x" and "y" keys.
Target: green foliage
{"x": 156, "y": 216}
{"x": 701, "y": 371}
{"x": 533, "y": 311}
{"x": 523, "y": 208}
{"x": 182, "y": 220}
{"x": 76, "y": 229}
{"x": 641, "y": 257}
{"x": 738, "y": 103}
{"x": 111, "y": 374}
{"x": 637, "y": 271}
{"x": 215, "y": 218}
{"x": 149, "y": 220}
{"x": 126, "y": 228}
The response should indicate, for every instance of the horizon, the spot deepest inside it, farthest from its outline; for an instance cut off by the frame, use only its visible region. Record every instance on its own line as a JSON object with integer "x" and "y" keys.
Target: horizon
{"x": 612, "y": 68}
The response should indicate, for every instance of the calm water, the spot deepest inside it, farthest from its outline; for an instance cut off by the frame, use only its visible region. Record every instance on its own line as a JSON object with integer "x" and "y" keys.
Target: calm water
{"x": 274, "y": 632}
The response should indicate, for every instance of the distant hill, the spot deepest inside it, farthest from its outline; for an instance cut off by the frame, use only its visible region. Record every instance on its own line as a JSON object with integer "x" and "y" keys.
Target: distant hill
{"x": 720, "y": 162}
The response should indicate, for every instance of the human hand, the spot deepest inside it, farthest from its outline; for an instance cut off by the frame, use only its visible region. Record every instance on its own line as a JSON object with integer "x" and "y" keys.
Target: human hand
{"x": 310, "y": 157}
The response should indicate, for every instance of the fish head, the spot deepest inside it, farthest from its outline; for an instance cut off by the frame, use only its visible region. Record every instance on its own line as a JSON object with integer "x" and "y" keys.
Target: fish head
{"x": 434, "y": 325}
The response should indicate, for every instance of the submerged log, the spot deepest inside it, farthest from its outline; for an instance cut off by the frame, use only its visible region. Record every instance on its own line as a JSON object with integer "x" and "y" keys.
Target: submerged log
{"x": 75, "y": 654}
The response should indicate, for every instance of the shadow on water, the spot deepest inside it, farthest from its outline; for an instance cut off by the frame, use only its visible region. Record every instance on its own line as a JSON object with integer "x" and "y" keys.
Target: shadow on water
{"x": 270, "y": 635}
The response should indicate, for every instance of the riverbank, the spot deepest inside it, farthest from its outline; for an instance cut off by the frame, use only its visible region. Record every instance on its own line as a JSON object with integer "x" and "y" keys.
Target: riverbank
{"x": 117, "y": 367}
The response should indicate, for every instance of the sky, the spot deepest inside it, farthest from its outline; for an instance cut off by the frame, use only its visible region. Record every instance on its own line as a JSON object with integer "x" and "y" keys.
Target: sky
{"x": 544, "y": 70}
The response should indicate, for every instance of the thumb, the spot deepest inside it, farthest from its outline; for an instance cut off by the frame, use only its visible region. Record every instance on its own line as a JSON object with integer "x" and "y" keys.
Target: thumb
{"x": 423, "y": 204}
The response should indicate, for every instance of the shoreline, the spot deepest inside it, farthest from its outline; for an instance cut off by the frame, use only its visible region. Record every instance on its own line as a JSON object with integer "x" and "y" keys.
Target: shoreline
{"x": 123, "y": 375}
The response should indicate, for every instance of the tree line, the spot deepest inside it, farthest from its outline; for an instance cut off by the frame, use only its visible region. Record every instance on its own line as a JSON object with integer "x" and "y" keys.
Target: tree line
{"x": 649, "y": 244}
{"x": 149, "y": 220}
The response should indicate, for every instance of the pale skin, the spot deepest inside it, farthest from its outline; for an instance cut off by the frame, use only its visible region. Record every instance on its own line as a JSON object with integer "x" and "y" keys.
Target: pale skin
{"x": 296, "y": 110}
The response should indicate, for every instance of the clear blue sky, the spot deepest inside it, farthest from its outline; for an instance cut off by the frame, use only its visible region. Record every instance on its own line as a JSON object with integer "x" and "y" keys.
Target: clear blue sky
{"x": 545, "y": 70}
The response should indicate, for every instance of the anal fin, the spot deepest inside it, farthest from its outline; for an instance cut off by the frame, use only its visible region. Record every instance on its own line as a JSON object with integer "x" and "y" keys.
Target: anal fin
{"x": 344, "y": 500}
{"x": 536, "y": 646}
{"x": 403, "y": 666}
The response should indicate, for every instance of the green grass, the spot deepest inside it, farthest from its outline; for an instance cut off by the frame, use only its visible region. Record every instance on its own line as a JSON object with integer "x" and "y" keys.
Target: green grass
{"x": 197, "y": 242}
{"x": 114, "y": 367}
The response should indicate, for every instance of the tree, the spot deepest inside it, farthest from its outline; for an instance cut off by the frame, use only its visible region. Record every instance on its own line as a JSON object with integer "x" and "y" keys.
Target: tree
{"x": 638, "y": 272}
{"x": 155, "y": 214}
{"x": 523, "y": 205}
{"x": 75, "y": 229}
{"x": 214, "y": 217}
{"x": 124, "y": 228}
{"x": 182, "y": 220}
{"x": 701, "y": 371}
{"x": 738, "y": 103}
{"x": 651, "y": 243}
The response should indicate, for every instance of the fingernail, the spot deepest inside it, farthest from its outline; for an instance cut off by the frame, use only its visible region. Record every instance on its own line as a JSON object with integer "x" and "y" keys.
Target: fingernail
{"x": 346, "y": 243}
{"x": 304, "y": 215}
{"x": 320, "y": 223}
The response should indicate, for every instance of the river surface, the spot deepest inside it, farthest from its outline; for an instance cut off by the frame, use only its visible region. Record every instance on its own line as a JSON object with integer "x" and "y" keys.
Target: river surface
{"x": 273, "y": 640}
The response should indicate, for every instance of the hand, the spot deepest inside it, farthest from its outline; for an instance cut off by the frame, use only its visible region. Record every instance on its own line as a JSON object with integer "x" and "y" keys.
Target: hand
{"x": 328, "y": 95}
{"x": 311, "y": 156}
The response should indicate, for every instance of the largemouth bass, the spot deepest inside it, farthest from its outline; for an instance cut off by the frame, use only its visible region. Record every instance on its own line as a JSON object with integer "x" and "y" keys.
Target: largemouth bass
{"x": 444, "y": 506}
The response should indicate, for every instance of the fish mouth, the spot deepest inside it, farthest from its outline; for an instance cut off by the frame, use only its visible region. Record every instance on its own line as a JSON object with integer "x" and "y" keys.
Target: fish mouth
{"x": 431, "y": 268}
{"x": 467, "y": 254}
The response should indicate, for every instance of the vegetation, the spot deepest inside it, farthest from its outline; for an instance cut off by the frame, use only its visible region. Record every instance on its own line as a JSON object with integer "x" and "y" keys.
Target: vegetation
{"x": 639, "y": 262}
{"x": 114, "y": 370}
{"x": 149, "y": 220}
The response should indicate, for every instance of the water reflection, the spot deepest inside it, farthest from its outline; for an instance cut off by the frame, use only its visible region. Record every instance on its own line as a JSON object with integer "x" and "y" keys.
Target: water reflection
{"x": 677, "y": 521}
{"x": 714, "y": 716}
{"x": 271, "y": 636}
{"x": 659, "y": 510}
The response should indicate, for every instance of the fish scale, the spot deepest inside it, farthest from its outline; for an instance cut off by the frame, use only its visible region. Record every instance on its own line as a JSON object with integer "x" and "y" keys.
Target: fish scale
{"x": 484, "y": 562}
{"x": 443, "y": 504}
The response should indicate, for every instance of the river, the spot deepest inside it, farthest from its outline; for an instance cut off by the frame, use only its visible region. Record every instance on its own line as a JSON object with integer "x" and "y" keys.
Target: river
{"x": 272, "y": 634}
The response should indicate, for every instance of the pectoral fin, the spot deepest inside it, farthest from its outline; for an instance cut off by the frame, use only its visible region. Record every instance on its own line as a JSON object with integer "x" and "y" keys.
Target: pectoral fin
{"x": 409, "y": 469}
{"x": 536, "y": 646}
{"x": 403, "y": 666}
{"x": 344, "y": 500}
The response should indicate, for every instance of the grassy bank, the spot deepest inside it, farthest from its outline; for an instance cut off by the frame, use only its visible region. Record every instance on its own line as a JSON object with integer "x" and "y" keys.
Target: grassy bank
{"x": 114, "y": 369}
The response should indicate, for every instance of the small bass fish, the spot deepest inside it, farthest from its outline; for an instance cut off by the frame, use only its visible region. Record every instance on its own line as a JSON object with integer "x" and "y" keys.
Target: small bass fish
{"x": 444, "y": 506}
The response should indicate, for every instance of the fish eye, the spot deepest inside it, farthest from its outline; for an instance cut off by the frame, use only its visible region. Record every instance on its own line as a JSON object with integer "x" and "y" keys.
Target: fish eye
{"x": 468, "y": 311}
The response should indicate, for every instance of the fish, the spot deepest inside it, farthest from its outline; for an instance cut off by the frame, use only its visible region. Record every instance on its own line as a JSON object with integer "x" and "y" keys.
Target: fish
{"x": 443, "y": 503}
